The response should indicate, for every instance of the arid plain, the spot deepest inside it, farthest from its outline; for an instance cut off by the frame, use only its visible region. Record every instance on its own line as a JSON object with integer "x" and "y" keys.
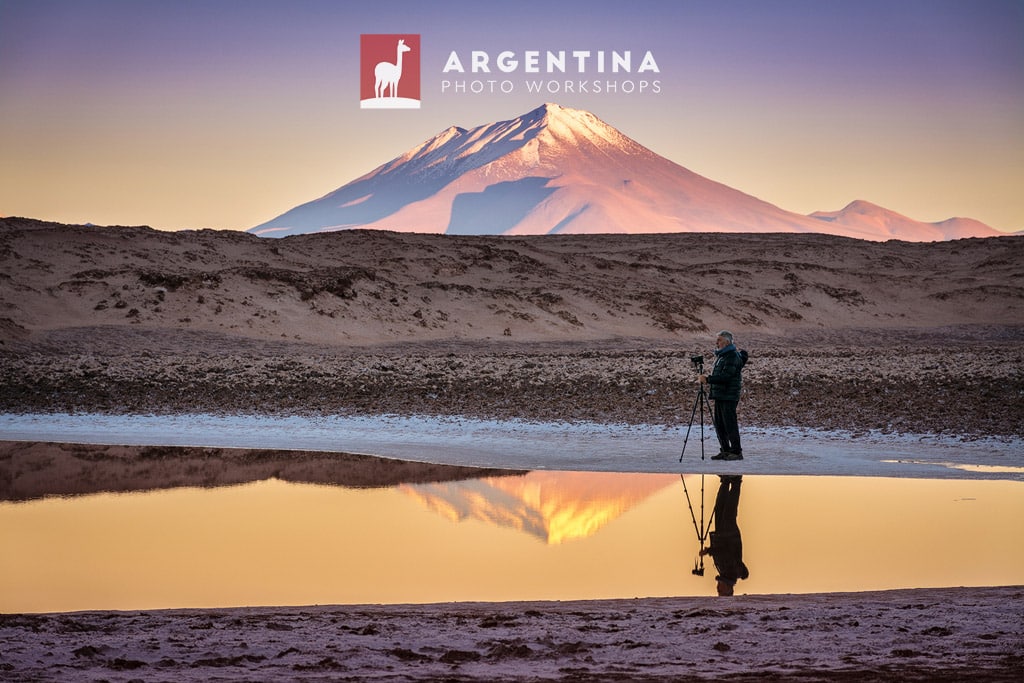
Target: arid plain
{"x": 911, "y": 337}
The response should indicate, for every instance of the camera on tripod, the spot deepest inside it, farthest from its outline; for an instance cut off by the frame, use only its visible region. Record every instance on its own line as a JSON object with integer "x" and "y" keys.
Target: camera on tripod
{"x": 698, "y": 363}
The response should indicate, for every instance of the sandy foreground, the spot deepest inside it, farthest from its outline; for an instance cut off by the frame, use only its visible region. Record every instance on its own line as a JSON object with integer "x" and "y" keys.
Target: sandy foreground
{"x": 882, "y": 338}
{"x": 918, "y": 635}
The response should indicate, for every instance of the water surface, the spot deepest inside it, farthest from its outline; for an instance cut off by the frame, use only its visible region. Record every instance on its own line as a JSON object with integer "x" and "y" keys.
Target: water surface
{"x": 540, "y": 535}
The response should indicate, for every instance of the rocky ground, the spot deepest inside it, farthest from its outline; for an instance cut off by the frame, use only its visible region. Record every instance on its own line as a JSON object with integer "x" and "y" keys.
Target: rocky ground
{"x": 966, "y": 381}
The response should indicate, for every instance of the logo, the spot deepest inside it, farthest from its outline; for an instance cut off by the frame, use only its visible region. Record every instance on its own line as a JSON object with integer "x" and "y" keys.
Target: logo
{"x": 389, "y": 71}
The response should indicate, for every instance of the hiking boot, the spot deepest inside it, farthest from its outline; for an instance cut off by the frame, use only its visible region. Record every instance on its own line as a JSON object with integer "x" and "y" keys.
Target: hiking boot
{"x": 722, "y": 455}
{"x": 733, "y": 456}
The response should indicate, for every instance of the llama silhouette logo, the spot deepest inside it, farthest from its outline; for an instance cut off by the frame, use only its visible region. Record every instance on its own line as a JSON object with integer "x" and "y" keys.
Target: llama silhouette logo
{"x": 389, "y": 71}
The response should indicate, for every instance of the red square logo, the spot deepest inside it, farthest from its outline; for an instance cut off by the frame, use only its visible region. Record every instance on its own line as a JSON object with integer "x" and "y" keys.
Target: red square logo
{"x": 389, "y": 71}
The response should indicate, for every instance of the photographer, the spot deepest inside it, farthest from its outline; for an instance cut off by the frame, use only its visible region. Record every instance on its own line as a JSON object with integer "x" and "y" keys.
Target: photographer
{"x": 726, "y": 382}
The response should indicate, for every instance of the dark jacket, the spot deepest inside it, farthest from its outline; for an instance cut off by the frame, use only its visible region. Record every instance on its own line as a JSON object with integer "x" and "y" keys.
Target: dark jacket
{"x": 726, "y": 378}
{"x": 726, "y": 550}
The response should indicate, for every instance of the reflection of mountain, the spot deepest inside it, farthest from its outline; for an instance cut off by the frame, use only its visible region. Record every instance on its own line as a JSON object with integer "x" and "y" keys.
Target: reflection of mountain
{"x": 553, "y": 506}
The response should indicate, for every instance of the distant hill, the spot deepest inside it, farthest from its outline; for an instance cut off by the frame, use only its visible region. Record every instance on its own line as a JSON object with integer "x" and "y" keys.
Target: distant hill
{"x": 374, "y": 287}
{"x": 891, "y": 225}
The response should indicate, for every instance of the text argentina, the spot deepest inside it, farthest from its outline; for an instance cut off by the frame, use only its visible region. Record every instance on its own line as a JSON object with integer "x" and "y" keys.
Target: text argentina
{"x": 584, "y": 61}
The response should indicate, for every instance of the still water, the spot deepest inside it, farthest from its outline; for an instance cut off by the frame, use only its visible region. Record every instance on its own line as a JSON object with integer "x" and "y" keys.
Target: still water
{"x": 540, "y": 535}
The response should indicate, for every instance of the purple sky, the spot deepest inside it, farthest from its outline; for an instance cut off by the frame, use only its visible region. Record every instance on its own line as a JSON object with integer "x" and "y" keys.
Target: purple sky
{"x": 226, "y": 113}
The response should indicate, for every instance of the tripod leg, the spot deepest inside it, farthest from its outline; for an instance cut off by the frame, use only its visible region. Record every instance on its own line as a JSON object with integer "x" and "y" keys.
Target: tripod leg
{"x": 710, "y": 414}
{"x": 693, "y": 517}
{"x": 703, "y": 403}
{"x": 693, "y": 413}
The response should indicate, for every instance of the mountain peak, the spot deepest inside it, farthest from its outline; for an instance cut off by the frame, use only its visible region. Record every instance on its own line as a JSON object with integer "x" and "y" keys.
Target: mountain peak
{"x": 575, "y": 126}
{"x": 556, "y": 169}
{"x": 862, "y": 206}
{"x": 550, "y": 112}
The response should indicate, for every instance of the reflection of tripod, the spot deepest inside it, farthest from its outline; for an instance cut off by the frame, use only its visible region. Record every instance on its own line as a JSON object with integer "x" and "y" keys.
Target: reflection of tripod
{"x": 701, "y": 529}
{"x": 700, "y": 403}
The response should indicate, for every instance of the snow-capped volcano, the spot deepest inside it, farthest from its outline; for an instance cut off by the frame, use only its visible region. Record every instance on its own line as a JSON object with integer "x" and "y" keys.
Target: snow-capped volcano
{"x": 552, "y": 170}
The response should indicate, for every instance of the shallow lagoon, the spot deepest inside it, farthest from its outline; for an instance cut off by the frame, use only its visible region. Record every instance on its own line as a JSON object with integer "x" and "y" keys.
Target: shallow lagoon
{"x": 538, "y": 535}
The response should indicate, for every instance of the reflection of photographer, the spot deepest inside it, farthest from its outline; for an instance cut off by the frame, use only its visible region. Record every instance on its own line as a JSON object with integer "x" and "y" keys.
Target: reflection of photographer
{"x": 726, "y": 381}
{"x": 726, "y": 547}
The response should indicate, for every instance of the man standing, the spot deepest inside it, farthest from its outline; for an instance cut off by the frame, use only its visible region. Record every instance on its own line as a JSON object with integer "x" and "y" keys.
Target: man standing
{"x": 726, "y": 381}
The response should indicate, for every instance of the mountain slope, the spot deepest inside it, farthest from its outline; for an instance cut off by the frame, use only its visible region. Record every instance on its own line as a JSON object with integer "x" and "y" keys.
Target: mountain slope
{"x": 552, "y": 170}
{"x": 889, "y": 224}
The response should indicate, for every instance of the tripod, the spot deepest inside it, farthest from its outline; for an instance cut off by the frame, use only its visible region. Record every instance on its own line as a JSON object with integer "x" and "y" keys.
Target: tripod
{"x": 701, "y": 529}
{"x": 700, "y": 403}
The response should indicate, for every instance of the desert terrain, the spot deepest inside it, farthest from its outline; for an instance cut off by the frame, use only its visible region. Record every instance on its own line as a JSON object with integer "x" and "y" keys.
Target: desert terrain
{"x": 842, "y": 333}
{"x": 894, "y": 338}
{"x": 919, "y": 635}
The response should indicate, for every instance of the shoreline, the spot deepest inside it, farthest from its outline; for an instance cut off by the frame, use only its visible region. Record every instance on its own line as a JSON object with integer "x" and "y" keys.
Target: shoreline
{"x": 535, "y": 445}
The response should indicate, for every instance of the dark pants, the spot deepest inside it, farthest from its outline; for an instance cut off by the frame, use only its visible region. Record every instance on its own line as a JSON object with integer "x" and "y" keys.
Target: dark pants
{"x": 727, "y": 427}
{"x": 727, "y": 505}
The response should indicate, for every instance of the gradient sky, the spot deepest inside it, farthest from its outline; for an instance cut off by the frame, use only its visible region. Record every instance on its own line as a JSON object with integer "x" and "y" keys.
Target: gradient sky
{"x": 226, "y": 113}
